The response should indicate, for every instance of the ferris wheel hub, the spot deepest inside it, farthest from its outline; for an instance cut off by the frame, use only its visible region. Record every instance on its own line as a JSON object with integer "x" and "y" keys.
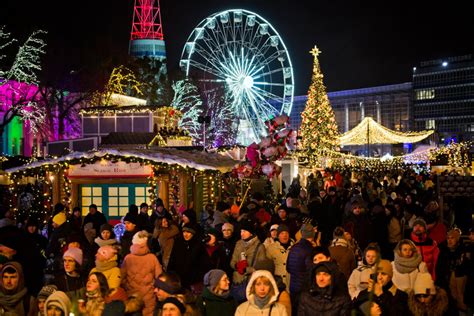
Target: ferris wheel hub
{"x": 247, "y": 82}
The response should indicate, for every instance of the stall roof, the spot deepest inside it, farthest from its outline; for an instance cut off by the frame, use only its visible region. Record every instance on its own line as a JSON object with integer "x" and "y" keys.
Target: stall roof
{"x": 190, "y": 158}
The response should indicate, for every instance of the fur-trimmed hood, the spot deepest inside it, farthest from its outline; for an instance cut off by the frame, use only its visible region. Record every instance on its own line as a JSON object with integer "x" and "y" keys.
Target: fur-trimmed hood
{"x": 437, "y": 307}
{"x": 268, "y": 275}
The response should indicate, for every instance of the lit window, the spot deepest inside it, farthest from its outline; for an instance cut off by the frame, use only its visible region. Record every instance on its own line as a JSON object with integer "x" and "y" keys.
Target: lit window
{"x": 425, "y": 94}
{"x": 430, "y": 124}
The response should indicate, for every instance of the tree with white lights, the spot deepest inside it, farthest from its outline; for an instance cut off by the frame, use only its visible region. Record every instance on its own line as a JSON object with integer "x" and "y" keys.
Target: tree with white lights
{"x": 18, "y": 81}
{"x": 188, "y": 101}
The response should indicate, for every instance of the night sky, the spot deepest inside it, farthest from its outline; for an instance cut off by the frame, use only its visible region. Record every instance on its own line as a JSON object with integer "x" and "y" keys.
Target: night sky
{"x": 364, "y": 44}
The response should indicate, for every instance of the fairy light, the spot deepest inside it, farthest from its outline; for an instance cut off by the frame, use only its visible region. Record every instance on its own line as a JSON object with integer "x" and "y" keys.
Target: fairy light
{"x": 370, "y": 132}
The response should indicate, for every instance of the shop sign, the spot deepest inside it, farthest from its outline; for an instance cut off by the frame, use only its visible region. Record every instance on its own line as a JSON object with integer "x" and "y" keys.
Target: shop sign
{"x": 108, "y": 169}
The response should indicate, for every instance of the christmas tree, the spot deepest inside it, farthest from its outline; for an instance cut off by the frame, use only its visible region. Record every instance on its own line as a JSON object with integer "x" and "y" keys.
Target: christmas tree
{"x": 318, "y": 127}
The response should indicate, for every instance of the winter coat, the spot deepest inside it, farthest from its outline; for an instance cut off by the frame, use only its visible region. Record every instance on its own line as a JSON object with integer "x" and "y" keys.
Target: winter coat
{"x": 406, "y": 281}
{"x": 428, "y": 248}
{"x": 250, "y": 248}
{"x": 439, "y": 305}
{"x": 140, "y": 268}
{"x": 279, "y": 255}
{"x": 97, "y": 219}
{"x": 452, "y": 270}
{"x": 394, "y": 230}
{"x": 343, "y": 256}
{"x": 359, "y": 280}
{"x": 392, "y": 301}
{"x": 113, "y": 275}
{"x": 361, "y": 229}
{"x": 74, "y": 287}
{"x": 189, "y": 260}
{"x": 166, "y": 238}
{"x": 211, "y": 304}
{"x": 329, "y": 301}
{"x": 299, "y": 264}
{"x": 272, "y": 308}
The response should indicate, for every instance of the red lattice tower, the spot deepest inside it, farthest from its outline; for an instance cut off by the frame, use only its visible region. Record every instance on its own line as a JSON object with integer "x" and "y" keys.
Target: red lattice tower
{"x": 146, "y": 20}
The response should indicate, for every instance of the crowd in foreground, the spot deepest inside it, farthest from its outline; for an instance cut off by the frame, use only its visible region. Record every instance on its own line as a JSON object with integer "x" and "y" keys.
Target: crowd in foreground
{"x": 372, "y": 245}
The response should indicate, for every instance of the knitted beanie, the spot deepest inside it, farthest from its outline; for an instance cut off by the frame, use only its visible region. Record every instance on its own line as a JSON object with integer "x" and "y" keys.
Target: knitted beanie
{"x": 189, "y": 228}
{"x": 130, "y": 217}
{"x": 424, "y": 284}
{"x": 140, "y": 238}
{"x": 307, "y": 231}
{"x": 282, "y": 228}
{"x": 59, "y": 218}
{"x": 420, "y": 221}
{"x": 249, "y": 226}
{"x": 60, "y": 300}
{"x": 385, "y": 266}
{"x": 212, "y": 278}
{"x": 274, "y": 227}
{"x": 75, "y": 253}
{"x": 228, "y": 226}
{"x": 106, "y": 253}
{"x": 173, "y": 300}
{"x": 46, "y": 291}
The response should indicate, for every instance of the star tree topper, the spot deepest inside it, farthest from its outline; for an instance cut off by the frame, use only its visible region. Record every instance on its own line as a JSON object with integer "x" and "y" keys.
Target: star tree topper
{"x": 315, "y": 51}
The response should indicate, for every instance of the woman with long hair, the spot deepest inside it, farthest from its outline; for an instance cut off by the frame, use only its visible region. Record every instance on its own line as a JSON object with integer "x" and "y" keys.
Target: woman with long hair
{"x": 165, "y": 232}
{"x": 97, "y": 290}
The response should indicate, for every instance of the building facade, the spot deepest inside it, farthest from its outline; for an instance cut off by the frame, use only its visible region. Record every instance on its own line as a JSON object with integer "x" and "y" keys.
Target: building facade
{"x": 388, "y": 105}
{"x": 443, "y": 97}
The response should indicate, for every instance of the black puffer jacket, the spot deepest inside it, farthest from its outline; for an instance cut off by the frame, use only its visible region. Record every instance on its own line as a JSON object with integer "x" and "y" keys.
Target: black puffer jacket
{"x": 329, "y": 301}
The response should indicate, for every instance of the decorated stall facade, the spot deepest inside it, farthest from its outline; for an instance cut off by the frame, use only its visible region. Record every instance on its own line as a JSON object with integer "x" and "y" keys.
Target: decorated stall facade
{"x": 113, "y": 179}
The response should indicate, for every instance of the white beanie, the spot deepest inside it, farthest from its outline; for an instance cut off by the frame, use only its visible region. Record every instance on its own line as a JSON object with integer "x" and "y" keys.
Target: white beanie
{"x": 140, "y": 238}
{"x": 424, "y": 284}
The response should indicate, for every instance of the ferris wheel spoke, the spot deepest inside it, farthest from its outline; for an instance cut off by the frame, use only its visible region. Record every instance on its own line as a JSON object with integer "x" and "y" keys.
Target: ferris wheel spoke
{"x": 206, "y": 68}
{"x": 272, "y": 84}
{"x": 254, "y": 76}
{"x": 268, "y": 95}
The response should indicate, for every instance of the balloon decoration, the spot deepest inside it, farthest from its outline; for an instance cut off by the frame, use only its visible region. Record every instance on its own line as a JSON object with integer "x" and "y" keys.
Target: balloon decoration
{"x": 260, "y": 158}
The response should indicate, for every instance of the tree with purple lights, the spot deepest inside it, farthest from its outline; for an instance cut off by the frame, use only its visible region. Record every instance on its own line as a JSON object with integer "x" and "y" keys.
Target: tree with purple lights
{"x": 18, "y": 81}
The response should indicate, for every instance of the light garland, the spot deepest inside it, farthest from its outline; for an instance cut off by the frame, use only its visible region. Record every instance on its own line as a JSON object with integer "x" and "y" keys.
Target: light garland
{"x": 457, "y": 157}
{"x": 370, "y": 132}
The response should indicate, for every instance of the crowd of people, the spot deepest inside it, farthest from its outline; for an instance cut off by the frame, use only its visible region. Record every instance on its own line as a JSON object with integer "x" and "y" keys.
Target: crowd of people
{"x": 340, "y": 245}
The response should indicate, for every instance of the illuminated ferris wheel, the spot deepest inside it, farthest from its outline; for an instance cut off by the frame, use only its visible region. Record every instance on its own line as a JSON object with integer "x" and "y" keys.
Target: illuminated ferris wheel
{"x": 240, "y": 53}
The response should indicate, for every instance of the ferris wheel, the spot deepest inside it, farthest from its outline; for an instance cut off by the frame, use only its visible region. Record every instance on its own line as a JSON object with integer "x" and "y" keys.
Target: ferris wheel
{"x": 241, "y": 54}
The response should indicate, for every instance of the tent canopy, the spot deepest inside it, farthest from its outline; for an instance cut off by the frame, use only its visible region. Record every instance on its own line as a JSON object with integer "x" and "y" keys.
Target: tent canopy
{"x": 370, "y": 132}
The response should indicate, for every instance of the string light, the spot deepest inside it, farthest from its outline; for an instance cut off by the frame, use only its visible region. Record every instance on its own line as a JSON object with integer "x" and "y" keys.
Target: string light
{"x": 370, "y": 132}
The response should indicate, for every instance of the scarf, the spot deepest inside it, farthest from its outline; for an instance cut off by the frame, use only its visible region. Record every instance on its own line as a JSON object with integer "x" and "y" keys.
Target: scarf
{"x": 102, "y": 266}
{"x": 261, "y": 302}
{"x": 224, "y": 294}
{"x": 407, "y": 265}
{"x": 101, "y": 242}
{"x": 339, "y": 242}
{"x": 12, "y": 300}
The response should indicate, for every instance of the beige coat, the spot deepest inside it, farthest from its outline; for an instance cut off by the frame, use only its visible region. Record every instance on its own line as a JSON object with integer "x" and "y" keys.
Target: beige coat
{"x": 279, "y": 254}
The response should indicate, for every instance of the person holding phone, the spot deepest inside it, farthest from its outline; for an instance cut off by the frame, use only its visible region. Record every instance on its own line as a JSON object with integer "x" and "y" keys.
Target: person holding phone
{"x": 383, "y": 292}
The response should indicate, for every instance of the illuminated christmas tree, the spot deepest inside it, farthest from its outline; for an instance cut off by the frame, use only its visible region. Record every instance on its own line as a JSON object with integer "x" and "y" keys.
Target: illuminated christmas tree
{"x": 318, "y": 127}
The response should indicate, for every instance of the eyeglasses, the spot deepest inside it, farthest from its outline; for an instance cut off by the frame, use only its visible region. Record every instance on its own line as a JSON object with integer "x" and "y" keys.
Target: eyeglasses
{"x": 422, "y": 295}
{"x": 227, "y": 230}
